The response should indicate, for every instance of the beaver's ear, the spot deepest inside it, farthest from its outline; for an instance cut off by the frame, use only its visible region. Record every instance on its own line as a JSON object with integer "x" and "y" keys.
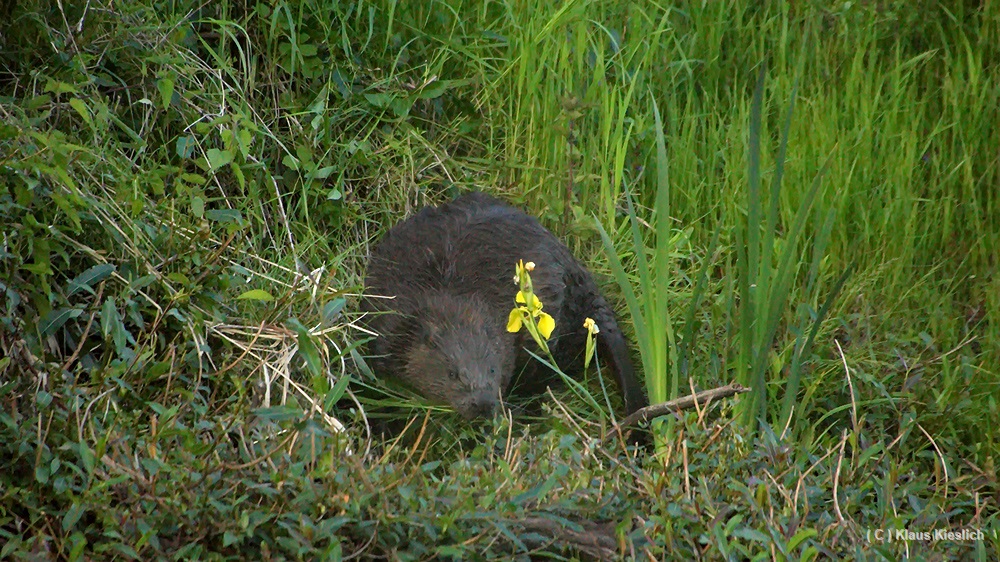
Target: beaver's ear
{"x": 423, "y": 330}
{"x": 431, "y": 332}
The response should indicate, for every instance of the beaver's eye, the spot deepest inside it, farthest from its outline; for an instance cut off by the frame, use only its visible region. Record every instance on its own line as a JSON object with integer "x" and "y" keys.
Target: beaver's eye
{"x": 453, "y": 374}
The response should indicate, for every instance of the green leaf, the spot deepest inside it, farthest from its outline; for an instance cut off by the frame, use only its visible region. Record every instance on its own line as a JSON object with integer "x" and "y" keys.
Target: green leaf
{"x": 321, "y": 173}
{"x": 795, "y": 373}
{"x": 337, "y": 392}
{"x": 659, "y": 316}
{"x": 55, "y": 320}
{"x": 194, "y": 179}
{"x": 57, "y": 87}
{"x": 166, "y": 88}
{"x": 752, "y": 535}
{"x": 82, "y": 109}
{"x": 435, "y": 89}
{"x": 198, "y": 206}
{"x": 380, "y": 101}
{"x": 240, "y": 178}
{"x": 218, "y": 158}
{"x": 401, "y": 106}
{"x": 178, "y": 277}
{"x": 38, "y": 268}
{"x": 65, "y": 204}
{"x": 112, "y": 325}
{"x": 802, "y": 535}
{"x": 291, "y": 162}
{"x": 256, "y": 295}
{"x": 72, "y": 516}
{"x": 366, "y": 371}
{"x": 243, "y": 140}
{"x": 332, "y": 309}
{"x": 109, "y": 313}
{"x": 307, "y": 349}
{"x": 141, "y": 283}
{"x": 12, "y": 546}
{"x": 278, "y": 413}
{"x": 42, "y": 473}
{"x": 185, "y": 146}
{"x": 79, "y": 543}
{"x": 224, "y": 216}
{"x": 91, "y": 276}
{"x": 86, "y": 457}
{"x": 687, "y": 343}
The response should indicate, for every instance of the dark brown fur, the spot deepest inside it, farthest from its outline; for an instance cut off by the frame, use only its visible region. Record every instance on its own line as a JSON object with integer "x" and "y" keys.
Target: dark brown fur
{"x": 451, "y": 270}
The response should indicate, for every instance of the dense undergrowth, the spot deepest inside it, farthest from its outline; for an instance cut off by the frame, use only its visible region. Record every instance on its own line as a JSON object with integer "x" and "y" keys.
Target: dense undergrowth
{"x": 187, "y": 195}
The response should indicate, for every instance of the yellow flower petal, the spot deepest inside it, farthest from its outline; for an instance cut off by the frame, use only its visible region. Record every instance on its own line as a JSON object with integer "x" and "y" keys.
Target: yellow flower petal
{"x": 546, "y": 324}
{"x": 519, "y": 297}
{"x": 514, "y": 321}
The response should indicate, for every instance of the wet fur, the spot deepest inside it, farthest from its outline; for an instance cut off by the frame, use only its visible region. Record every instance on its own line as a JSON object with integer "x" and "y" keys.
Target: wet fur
{"x": 451, "y": 269}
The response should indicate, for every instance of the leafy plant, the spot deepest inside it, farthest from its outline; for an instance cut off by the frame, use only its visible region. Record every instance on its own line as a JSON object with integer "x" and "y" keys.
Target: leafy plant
{"x": 766, "y": 275}
{"x": 650, "y": 314}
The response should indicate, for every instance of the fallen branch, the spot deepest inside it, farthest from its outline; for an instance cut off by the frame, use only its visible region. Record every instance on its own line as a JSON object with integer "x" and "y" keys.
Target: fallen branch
{"x": 643, "y": 415}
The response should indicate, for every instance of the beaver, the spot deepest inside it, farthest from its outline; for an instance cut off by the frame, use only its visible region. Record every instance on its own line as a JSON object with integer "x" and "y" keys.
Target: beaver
{"x": 449, "y": 271}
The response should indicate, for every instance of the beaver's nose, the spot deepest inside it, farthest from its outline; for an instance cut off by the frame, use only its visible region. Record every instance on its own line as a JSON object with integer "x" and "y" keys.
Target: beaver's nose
{"x": 482, "y": 405}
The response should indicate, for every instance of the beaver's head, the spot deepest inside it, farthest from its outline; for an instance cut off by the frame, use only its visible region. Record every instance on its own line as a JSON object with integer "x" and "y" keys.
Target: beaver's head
{"x": 458, "y": 354}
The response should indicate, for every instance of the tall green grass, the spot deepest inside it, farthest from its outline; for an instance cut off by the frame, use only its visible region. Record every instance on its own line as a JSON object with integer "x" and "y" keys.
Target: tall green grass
{"x": 904, "y": 196}
{"x": 647, "y": 303}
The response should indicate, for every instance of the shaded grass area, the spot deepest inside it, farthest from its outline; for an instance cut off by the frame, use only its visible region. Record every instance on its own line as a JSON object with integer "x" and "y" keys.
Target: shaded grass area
{"x": 188, "y": 195}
